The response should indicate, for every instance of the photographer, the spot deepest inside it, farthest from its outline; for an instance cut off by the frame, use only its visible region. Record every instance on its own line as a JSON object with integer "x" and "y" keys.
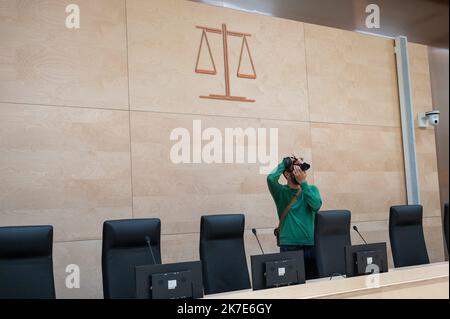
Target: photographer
{"x": 297, "y": 204}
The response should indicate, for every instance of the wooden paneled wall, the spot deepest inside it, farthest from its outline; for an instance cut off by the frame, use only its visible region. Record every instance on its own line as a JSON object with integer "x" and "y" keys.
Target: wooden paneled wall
{"x": 86, "y": 115}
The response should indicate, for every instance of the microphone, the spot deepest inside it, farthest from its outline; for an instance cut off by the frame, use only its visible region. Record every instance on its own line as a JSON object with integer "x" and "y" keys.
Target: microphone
{"x": 147, "y": 240}
{"x": 256, "y": 235}
{"x": 356, "y": 229}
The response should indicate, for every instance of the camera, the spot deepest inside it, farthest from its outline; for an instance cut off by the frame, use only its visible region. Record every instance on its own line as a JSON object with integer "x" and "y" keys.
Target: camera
{"x": 427, "y": 118}
{"x": 290, "y": 162}
{"x": 433, "y": 117}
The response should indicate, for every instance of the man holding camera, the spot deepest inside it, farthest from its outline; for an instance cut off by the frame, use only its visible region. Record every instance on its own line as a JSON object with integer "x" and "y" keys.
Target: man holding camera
{"x": 297, "y": 204}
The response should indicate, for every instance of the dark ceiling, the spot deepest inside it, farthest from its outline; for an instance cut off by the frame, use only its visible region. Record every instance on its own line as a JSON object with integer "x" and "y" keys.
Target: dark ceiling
{"x": 422, "y": 21}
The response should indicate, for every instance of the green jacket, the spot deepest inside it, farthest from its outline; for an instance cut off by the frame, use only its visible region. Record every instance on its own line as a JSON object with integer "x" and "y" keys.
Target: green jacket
{"x": 298, "y": 227}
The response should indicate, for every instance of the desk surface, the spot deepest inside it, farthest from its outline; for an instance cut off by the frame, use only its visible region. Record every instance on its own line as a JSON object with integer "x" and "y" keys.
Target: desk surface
{"x": 426, "y": 281}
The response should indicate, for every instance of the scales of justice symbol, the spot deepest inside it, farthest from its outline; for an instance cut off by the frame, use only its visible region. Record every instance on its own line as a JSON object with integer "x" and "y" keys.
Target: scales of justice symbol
{"x": 225, "y": 34}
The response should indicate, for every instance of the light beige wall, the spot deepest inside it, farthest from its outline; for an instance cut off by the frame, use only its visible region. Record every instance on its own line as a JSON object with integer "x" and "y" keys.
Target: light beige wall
{"x": 426, "y": 150}
{"x": 64, "y": 128}
{"x": 85, "y": 119}
{"x": 356, "y": 133}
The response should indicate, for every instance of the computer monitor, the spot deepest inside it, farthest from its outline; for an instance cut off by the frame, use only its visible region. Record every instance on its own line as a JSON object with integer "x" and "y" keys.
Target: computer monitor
{"x": 275, "y": 270}
{"x": 365, "y": 259}
{"x": 169, "y": 281}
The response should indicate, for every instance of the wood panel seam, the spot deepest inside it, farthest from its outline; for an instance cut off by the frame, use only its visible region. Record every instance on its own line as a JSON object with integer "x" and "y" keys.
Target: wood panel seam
{"x": 129, "y": 109}
{"x": 263, "y": 118}
{"x": 308, "y": 99}
{"x": 64, "y": 106}
{"x": 246, "y": 229}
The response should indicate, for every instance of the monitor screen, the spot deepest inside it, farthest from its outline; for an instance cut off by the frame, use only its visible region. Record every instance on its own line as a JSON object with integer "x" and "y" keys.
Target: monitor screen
{"x": 169, "y": 281}
{"x": 275, "y": 270}
{"x": 365, "y": 259}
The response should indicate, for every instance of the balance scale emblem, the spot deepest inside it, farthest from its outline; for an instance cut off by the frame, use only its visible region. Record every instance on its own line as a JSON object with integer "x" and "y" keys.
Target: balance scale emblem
{"x": 225, "y": 33}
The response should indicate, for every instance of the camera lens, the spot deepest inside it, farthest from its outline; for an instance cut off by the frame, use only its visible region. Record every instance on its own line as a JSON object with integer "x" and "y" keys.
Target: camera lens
{"x": 435, "y": 121}
{"x": 305, "y": 166}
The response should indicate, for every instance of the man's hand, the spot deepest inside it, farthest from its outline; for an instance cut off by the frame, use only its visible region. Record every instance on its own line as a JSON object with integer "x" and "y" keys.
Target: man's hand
{"x": 299, "y": 175}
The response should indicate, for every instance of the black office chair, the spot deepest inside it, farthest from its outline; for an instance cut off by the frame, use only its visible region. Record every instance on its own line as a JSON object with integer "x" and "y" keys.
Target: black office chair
{"x": 222, "y": 253}
{"x": 406, "y": 235}
{"x": 331, "y": 235}
{"x": 124, "y": 247}
{"x": 26, "y": 263}
{"x": 446, "y": 223}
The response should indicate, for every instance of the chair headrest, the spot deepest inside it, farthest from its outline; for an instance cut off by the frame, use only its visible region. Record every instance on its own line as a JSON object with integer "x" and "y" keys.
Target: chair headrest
{"x": 333, "y": 222}
{"x": 131, "y": 232}
{"x": 403, "y": 215}
{"x": 219, "y": 227}
{"x": 26, "y": 241}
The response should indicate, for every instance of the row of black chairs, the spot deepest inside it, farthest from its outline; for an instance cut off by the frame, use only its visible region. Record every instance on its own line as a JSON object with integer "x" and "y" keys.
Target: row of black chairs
{"x": 26, "y": 265}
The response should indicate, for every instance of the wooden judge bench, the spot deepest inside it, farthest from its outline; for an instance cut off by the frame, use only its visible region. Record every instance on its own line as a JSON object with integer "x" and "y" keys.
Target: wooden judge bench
{"x": 418, "y": 282}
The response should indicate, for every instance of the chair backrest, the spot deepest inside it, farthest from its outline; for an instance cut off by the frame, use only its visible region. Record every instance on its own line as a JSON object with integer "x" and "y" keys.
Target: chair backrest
{"x": 446, "y": 223}
{"x": 124, "y": 248}
{"x": 331, "y": 235}
{"x": 406, "y": 235}
{"x": 26, "y": 262}
{"x": 222, "y": 253}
